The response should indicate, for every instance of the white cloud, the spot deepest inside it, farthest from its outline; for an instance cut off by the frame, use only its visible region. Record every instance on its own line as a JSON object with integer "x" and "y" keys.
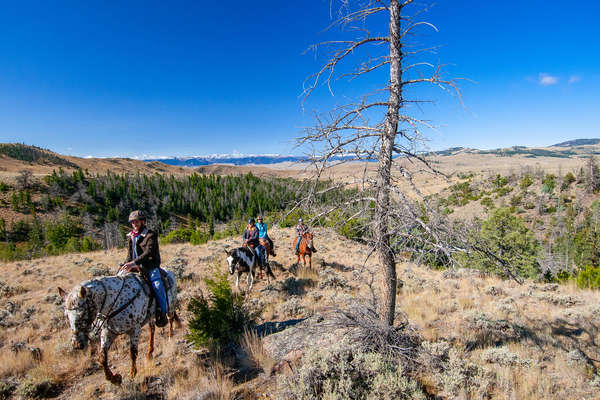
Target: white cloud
{"x": 547, "y": 80}
{"x": 574, "y": 78}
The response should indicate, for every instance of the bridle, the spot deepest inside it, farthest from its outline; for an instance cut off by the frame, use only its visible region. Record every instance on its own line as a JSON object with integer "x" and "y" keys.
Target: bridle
{"x": 101, "y": 317}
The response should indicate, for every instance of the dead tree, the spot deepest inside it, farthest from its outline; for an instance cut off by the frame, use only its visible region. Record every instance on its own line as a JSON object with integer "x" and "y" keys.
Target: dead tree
{"x": 380, "y": 130}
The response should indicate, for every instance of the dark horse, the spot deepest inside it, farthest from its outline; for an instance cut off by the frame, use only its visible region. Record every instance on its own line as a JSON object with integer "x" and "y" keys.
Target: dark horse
{"x": 243, "y": 259}
{"x": 306, "y": 246}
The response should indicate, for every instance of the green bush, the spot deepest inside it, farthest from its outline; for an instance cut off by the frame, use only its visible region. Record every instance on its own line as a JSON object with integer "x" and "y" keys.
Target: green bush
{"x": 568, "y": 179}
{"x": 503, "y": 238}
{"x": 218, "y": 318}
{"x": 198, "y": 237}
{"x": 589, "y": 277}
{"x": 179, "y": 235}
{"x": 487, "y": 202}
{"x": 548, "y": 183}
{"x": 89, "y": 244}
{"x": 292, "y": 218}
{"x": 353, "y": 229}
{"x": 526, "y": 182}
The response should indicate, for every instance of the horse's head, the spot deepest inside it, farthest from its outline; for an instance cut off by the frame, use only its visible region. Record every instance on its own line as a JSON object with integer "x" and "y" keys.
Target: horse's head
{"x": 309, "y": 239}
{"x": 231, "y": 260}
{"x": 79, "y": 310}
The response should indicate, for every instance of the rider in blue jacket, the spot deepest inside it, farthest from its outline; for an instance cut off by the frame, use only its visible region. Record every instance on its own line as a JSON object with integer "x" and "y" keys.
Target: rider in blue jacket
{"x": 262, "y": 233}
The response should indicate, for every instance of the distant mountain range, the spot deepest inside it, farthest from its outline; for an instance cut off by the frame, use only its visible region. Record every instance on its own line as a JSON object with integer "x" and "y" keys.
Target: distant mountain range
{"x": 266, "y": 159}
{"x": 232, "y": 159}
{"x": 35, "y": 155}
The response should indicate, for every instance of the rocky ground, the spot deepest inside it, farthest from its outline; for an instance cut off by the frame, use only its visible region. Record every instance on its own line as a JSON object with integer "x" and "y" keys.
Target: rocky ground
{"x": 467, "y": 335}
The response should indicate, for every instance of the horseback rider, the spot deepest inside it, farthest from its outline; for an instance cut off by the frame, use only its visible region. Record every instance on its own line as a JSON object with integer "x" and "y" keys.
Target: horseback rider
{"x": 262, "y": 233}
{"x": 143, "y": 256}
{"x": 250, "y": 238}
{"x": 301, "y": 230}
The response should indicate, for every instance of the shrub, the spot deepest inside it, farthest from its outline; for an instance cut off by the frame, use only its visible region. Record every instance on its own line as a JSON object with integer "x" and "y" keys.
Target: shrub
{"x": 179, "y": 235}
{"x": 292, "y": 218}
{"x": 568, "y": 179}
{"x": 39, "y": 389}
{"x": 526, "y": 182}
{"x": 6, "y": 390}
{"x": 89, "y": 244}
{"x": 220, "y": 317}
{"x": 353, "y": 229}
{"x": 487, "y": 202}
{"x": 589, "y": 277}
{"x": 504, "y": 242}
{"x": 548, "y": 183}
{"x": 345, "y": 372}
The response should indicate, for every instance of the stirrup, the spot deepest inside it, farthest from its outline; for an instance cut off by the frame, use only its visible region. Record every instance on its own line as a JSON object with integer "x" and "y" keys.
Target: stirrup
{"x": 161, "y": 319}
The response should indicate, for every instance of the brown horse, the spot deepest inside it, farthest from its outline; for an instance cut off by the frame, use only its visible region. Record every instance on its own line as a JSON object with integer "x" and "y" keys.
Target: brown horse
{"x": 267, "y": 245}
{"x": 306, "y": 246}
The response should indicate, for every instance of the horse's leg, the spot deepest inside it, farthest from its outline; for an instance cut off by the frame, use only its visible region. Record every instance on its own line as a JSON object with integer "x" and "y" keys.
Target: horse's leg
{"x": 310, "y": 260}
{"x": 237, "y": 280}
{"x": 151, "y": 329}
{"x": 105, "y": 342}
{"x": 134, "y": 340}
{"x": 250, "y": 279}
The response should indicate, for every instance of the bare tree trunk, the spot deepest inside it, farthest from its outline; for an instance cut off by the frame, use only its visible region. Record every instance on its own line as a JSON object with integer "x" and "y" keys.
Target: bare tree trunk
{"x": 347, "y": 133}
{"x": 382, "y": 227}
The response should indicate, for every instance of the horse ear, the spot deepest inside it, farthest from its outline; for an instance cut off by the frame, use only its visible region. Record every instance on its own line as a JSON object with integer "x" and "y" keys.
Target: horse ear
{"x": 82, "y": 292}
{"x": 62, "y": 293}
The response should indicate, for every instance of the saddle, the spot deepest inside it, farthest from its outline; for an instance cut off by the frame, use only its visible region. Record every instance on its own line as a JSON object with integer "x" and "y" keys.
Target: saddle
{"x": 147, "y": 285}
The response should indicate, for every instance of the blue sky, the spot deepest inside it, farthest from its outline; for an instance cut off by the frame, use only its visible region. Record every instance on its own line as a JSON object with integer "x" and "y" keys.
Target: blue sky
{"x": 186, "y": 78}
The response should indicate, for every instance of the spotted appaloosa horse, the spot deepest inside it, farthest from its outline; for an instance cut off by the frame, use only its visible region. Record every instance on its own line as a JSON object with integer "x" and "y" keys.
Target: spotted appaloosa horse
{"x": 116, "y": 305}
{"x": 306, "y": 246}
{"x": 243, "y": 260}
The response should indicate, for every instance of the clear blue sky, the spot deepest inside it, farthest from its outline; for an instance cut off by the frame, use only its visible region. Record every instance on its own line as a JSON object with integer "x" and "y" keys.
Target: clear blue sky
{"x": 133, "y": 78}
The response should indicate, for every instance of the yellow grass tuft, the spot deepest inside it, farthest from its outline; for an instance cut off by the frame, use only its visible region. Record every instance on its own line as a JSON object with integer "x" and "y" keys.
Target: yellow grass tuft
{"x": 253, "y": 347}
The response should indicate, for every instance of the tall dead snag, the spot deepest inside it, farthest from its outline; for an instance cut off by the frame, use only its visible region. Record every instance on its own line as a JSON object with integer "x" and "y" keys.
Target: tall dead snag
{"x": 376, "y": 130}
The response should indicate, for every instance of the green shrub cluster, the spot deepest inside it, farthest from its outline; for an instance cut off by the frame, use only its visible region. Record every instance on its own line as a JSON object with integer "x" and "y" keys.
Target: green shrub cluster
{"x": 219, "y": 317}
{"x": 589, "y": 277}
{"x": 503, "y": 244}
{"x": 549, "y": 183}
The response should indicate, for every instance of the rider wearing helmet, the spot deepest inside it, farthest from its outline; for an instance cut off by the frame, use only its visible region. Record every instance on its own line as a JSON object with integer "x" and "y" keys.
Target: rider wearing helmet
{"x": 250, "y": 238}
{"x": 301, "y": 229}
{"x": 143, "y": 256}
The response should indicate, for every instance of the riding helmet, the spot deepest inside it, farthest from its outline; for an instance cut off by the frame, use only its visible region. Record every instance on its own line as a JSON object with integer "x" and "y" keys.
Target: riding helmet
{"x": 137, "y": 215}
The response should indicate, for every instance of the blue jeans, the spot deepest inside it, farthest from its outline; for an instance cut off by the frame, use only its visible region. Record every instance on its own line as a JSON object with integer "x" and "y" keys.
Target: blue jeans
{"x": 159, "y": 289}
{"x": 260, "y": 253}
{"x": 298, "y": 244}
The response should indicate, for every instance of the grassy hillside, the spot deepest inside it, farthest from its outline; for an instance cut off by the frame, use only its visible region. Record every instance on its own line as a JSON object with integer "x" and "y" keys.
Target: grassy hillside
{"x": 488, "y": 338}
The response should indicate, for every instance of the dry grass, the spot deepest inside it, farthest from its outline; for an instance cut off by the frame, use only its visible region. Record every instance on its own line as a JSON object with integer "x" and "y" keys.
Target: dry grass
{"x": 15, "y": 364}
{"x": 198, "y": 379}
{"x": 438, "y": 306}
{"x": 253, "y": 347}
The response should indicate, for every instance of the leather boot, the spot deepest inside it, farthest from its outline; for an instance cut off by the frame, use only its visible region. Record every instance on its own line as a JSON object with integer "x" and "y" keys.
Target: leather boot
{"x": 161, "y": 318}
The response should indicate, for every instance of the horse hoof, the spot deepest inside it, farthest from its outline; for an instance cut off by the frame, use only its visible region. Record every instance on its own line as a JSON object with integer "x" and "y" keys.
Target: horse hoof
{"x": 116, "y": 379}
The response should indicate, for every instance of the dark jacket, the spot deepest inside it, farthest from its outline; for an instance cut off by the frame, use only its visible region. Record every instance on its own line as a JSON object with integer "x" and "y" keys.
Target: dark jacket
{"x": 148, "y": 254}
{"x": 251, "y": 235}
